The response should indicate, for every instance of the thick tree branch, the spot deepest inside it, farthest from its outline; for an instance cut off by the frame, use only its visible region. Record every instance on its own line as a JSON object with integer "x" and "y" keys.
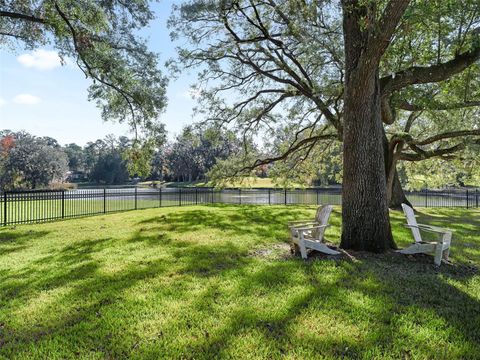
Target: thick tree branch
{"x": 446, "y": 135}
{"x": 430, "y": 74}
{"x": 382, "y": 35}
{"x": 304, "y": 143}
{"x": 405, "y": 105}
{"x": 433, "y": 153}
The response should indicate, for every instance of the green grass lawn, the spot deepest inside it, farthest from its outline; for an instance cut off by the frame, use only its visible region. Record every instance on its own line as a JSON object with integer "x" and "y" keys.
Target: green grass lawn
{"x": 206, "y": 282}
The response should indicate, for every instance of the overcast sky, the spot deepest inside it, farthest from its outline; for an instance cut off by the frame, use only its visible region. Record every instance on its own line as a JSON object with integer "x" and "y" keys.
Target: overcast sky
{"x": 40, "y": 96}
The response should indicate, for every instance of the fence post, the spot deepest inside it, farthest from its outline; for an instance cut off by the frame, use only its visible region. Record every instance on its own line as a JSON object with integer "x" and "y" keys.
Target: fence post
{"x": 212, "y": 196}
{"x": 104, "y": 200}
{"x": 317, "y": 196}
{"x": 179, "y": 196}
{"x": 285, "y": 196}
{"x": 476, "y": 198}
{"x": 159, "y": 197}
{"x": 4, "y": 208}
{"x": 196, "y": 196}
{"x": 63, "y": 204}
{"x": 136, "y": 198}
{"x": 426, "y": 197}
{"x": 269, "y": 196}
{"x": 240, "y": 196}
{"x": 467, "y": 198}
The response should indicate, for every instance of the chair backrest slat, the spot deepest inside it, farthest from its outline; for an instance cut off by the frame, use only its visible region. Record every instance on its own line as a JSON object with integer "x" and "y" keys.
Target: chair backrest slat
{"x": 411, "y": 220}
{"x": 322, "y": 216}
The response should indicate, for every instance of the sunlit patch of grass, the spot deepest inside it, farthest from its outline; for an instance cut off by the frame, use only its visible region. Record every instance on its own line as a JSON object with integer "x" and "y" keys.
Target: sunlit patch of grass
{"x": 209, "y": 282}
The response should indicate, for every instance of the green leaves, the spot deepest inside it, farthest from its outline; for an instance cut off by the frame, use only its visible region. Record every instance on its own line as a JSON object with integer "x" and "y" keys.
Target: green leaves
{"x": 101, "y": 36}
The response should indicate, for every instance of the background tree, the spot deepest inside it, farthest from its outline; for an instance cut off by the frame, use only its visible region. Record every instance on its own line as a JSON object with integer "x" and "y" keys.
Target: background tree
{"x": 110, "y": 169}
{"x": 76, "y": 159}
{"x": 31, "y": 162}
{"x": 336, "y": 70}
{"x": 105, "y": 162}
{"x": 102, "y": 38}
{"x": 197, "y": 150}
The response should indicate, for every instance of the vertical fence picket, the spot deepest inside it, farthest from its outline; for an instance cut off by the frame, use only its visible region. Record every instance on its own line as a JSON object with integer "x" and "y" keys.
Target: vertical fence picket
{"x": 136, "y": 199}
{"x": 63, "y": 204}
{"x": 5, "y": 207}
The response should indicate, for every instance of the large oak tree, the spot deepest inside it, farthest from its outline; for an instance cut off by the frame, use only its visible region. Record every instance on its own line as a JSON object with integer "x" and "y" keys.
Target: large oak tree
{"x": 362, "y": 72}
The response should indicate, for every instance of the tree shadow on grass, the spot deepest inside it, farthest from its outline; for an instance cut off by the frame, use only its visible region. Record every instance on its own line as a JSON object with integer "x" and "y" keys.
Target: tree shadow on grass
{"x": 62, "y": 268}
{"x": 377, "y": 302}
{"x": 92, "y": 292}
{"x": 399, "y": 298}
{"x": 15, "y": 240}
{"x": 262, "y": 222}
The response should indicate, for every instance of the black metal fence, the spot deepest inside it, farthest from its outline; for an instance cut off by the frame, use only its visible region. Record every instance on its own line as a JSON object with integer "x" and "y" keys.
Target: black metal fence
{"x": 46, "y": 205}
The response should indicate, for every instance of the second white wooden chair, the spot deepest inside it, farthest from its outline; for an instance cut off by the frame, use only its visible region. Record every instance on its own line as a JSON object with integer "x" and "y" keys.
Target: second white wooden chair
{"x": 439, "y": 248}
{"x": 309, "y": 234}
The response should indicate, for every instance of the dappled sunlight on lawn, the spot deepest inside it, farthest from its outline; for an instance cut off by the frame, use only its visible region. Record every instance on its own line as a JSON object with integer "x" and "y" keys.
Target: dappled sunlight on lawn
{"x": 195, "y": 282}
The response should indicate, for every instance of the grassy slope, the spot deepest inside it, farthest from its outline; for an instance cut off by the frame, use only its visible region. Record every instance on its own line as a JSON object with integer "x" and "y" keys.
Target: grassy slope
{"x": 217, "y": 281}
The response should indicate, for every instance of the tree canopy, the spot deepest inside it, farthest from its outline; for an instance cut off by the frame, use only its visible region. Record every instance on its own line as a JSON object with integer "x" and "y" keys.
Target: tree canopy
{"x": 102, "y": 39}
{"x": 279, "y": 66}
{"x": 375, "y": 75}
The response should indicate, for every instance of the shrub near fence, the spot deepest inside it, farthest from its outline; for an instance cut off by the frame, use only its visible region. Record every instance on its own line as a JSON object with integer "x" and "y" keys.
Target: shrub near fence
{"x": 46, "y": 205}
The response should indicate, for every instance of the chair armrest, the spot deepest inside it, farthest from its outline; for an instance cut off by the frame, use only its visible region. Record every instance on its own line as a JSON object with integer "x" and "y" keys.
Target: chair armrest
{"x": 294, "y": 226}
{"x": 301, "y": 229}
{"x": 434, "y": 227}
{"x": 429, "y": 229}
{"x": 301, "y": 221}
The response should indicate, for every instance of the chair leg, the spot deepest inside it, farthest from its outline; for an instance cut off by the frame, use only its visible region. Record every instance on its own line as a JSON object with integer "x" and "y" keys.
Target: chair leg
{"x": 447, "y": 239}
{"x": 301, "y": 245}
{"x": 438, "y": 253}
{"x": 446, "y": 254}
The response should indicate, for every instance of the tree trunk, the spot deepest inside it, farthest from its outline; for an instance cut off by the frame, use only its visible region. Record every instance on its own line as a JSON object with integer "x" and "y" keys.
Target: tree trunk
{"x": 366, "y": 224}
{"x": 365, "y": 216}
{"x": 395, "y": 194}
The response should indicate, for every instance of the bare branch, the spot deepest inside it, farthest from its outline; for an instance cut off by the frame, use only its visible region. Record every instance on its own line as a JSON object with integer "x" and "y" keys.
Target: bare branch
{"x": 404, "y": 105}
{"x": 19, "y": 16}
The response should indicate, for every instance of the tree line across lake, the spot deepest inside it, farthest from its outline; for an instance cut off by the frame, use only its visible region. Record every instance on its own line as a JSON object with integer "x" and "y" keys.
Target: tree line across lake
{"x": 197, "y": 153}
{"x": 30, "y": 162}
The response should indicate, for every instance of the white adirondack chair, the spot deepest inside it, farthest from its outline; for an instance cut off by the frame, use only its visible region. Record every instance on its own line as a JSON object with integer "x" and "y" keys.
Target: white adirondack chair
{"x": 438, "y": 248}
{"x": 313, "y": 221}
{"x": 309, "y": 234}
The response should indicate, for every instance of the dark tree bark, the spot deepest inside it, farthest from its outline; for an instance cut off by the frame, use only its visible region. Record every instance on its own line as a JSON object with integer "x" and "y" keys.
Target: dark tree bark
{"x": 395, "y": 194}
{"x": 365, "y": 222}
